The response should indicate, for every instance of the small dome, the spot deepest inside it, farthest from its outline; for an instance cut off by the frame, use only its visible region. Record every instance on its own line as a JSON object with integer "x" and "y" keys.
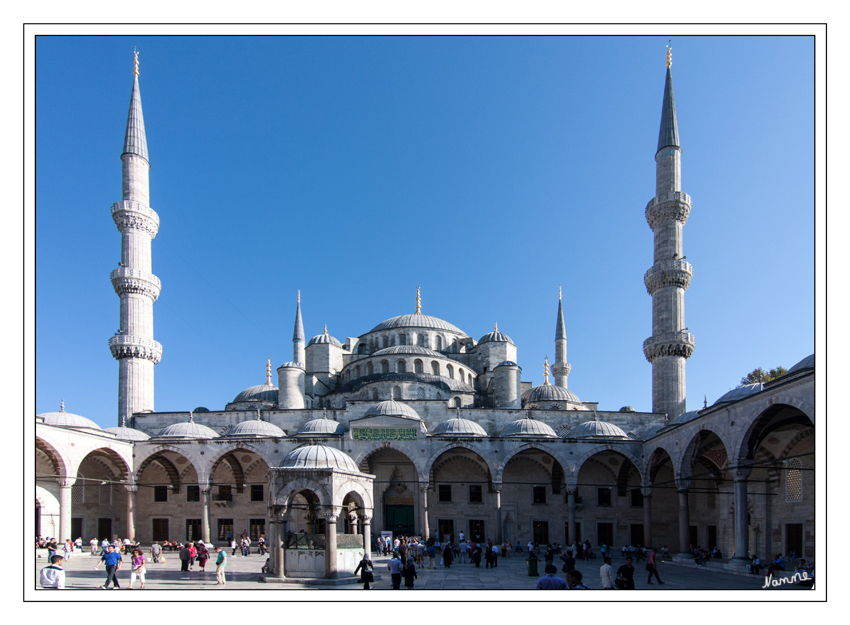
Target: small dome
{"x": 261, "y": 392}
{"x": 255, "y": 427}
{"x": 324, "y": 339}
{"x": 495, "y": 337}
{"x": 407, "y": 349}
{"x": 597, "y": 428}
{"x": 507, "y": 363}
{"x": 548, "y": 392}
{"x": 417, "y": 320}
{"x": 687, "y": 416}
{"x": 740, "y": 393}
{"x": 128, "y": 434}
{"x": 188, "y": 429}
{"x": 807, "y": 363}
{"x": 392, "y": 408}
{"x": 529, "y": 427}
{"x": 200, "y": 409}
{"x": 321, "y": 427}
{"x": 318, "y": 457}
{"x": 68, "y": 419}
{"x": 292, "y": 365}
{"x": 628, "y": 409}
{"x": 459, "y": 427}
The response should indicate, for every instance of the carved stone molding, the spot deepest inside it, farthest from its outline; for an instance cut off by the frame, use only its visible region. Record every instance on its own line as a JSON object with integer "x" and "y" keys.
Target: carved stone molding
{"x": 127, "y": 280}
{"x": 679, "y": 344}
{"x": 666, "y": 273}
{"x": 135, "y": 215}
{"x": 123, "y": 346}
{"x": 673, "y": 205}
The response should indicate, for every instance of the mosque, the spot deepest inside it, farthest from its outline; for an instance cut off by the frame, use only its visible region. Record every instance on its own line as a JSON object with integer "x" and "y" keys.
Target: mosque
{"x": 416, "y": 427}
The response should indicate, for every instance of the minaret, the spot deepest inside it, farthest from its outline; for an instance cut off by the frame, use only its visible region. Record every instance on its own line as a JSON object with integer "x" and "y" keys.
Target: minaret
{"x": 298, "y": 341}
{"x": 667, "y": 280}
{"x": 133, "y": 345}
{"x": 561, "y": 368}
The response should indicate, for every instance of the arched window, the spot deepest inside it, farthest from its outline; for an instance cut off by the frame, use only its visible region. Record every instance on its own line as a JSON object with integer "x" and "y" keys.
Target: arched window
{"x": 417, "y": 366}
{"x": 450, "y": 371}
{"x": 385, "y": 341}
{"x": 420, "y": 393}
{"x": 396, "y": 392}
{"x": 439, "y": 396}
{"x": 457, "y": 402}
{"x": 794, "y": 481}
{"x": 470, "y": 379}
{"x": 357, "y": 371}
{"x": 374, "y": 394}
{"x": 402, "y": 339}
{"x": 422, "y": 341}
{"x": 385, "y": 366}
{"x": 460, "y": 375}
{"x": 435, "y": 367}
{"x": 370, "y": 369}
{"x": 401, "y": 367}
{"x": 438, "y": 342}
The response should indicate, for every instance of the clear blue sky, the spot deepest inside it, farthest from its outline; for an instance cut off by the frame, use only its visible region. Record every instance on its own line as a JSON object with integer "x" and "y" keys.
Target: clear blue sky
{"x": 487, "y": 170}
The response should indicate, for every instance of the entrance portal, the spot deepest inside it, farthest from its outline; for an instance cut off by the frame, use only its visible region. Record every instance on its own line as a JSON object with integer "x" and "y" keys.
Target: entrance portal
{"x": 399, "y": 520}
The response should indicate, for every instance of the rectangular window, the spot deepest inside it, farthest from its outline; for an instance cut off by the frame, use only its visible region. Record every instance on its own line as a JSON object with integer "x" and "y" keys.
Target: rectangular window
{"x": 475, "y": 494}
{"x": 160, "y": 529}
{"x": 193, "y": 492}
{"x": 445, "y": 492}
{"x": 224, "y": 493}
{"x": 636, "y": 498}
{"x": 77, "y": 493}
{"x": 604, "y": 533}
{"x": 225, "y": 526}
{"x": 257, "y": 492}
{"x": 445, "y": 529}
{"x": 193, "y": 529}
{"x": 104, "y": 495}
{"x": 538, "y": 494}
{"x": 160, "y": 493}
{"x": 255, "y": 528}
{"x": 603, "y": 497}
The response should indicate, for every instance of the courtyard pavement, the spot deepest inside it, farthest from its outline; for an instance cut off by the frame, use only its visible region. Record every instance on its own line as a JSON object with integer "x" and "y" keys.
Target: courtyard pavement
{"x": 510, "y": 574}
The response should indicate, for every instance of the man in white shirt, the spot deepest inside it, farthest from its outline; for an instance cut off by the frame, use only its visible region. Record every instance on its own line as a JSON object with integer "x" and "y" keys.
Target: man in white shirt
{"x": 53, "y": 576}
{"x": 460, "y": 536}
{"x": 606, "y": 574}
{"x": 495, "y": 555}
{"x": 464, "y": 549}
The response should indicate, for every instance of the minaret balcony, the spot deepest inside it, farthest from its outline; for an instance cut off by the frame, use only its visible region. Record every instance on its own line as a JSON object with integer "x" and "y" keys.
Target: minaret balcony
{"x": 671, "y": 205}
{"x": 127, "y": 214}
{"x": 561, "y": 370}
{"x": 680, "y": 344}
{"x": 668, "y": 273}
{"x": 123, "y": 346}
{"x": 128, "y": 280}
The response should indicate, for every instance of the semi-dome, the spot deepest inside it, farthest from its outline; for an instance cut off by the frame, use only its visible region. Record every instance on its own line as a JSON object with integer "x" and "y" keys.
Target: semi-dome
{"x": 459, "y": 427}
{"x": 596, "y": 428}
{"x": 255, "y": 427}
{"x": 68, "y": 419}
{"x": 548, "y": 392}
{"x": 392, "y": 408}
{"x": 495, "y": 337}
{"x": 628, "y": 409}
{"x": 740, "y": 393}
{"x": 407, "y": 349}
{"x": 189, "y": 429}
{"x": 261, "y": 392}
{"x": 124, "y": 433}
{"x": 318, "y": 457}
{"x": 686, "y": 416}
{"x": 417, "y": 320}
{"x": 807, "y": 363}
{"x": 529, "y": 427}
{"x": 321, "y": 427}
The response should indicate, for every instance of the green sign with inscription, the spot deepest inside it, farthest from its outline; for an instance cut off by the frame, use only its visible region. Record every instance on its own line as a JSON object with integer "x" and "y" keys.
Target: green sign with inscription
{"x": 384, "y": 434}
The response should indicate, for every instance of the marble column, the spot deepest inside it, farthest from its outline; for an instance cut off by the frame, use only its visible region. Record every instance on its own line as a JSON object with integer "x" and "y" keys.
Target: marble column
{"x": 131, "y": 511}
{"x": 742, "y": 529}
{"x": 497, "y": 488}
{"x": 424, "y": 526}
{"x": 647, "y": 517}
{"x": 205, "y": 516}
{"x": 277, "y": 542}
{"x": 366, "y": 524}
{"x": 684, "y": 517}
{"x": 571, "y": 513}
{"x": 331, "y": 570}
{"x": 65, "y": 486}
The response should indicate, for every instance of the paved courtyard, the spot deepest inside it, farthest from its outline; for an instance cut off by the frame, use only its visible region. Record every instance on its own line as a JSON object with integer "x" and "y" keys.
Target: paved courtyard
{"x": 511, "y": 574}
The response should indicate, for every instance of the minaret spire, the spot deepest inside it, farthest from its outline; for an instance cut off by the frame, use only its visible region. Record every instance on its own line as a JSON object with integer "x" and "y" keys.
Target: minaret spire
{"x": 666, "y": 281}
{"x": 133, "y": 345}
{"x": 298, "y": 341}
{"x": 561, "y": 368}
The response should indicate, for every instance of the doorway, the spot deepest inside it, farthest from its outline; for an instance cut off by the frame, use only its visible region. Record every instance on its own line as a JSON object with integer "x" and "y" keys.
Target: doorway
{"x": 694, "y": 536}
{"x": 445, "y": 529}
{"x": 476, "y": 530}
{"x": 794, "y": 539}
{"x": 77, "y": 528}
{"x": 104, "y": 529}
{"x": 636, "y": 534}
{"x": 712, "y": 537}
{"x": 193, "y": 529}
{"x": 540, "y": 531}
{"x": 399, "y": 520}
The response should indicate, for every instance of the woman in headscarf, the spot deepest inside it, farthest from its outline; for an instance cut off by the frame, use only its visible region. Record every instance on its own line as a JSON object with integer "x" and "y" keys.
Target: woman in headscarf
{"x": 409, "y": 573}
{"x": 447, "y": 555}
{"x": 365, "y": 567}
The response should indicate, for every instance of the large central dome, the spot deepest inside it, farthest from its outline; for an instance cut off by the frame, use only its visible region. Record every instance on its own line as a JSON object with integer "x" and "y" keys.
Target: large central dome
{"x": 417, "y": 320}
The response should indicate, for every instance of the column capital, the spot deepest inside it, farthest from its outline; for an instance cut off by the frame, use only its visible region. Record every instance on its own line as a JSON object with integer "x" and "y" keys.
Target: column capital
{"x": 646, "y": 491}
{"x": 66, "y": 482}
{"x": 330, "y": 516}
{"x": 497, "y": 487}
{"x": 365, "y": 517}
{"x": 683, "y": 484}
{"x": 131, "y": 488}
{"x": 742, "y": 471}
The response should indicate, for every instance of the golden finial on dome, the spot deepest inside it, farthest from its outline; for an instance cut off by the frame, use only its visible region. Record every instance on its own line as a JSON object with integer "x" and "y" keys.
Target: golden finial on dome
{"x": 135, "y": 62}
{"x": 497, "y": 327}
{"x": 191, "y": 416}
{"x": 669, "y": 55}
{"x": 62, "y": 406}
{"x": 326, "y": 328}
{"x": 546, "y": 371}
{"x": 269, "y": 371}
{"x": 418, "y": 302}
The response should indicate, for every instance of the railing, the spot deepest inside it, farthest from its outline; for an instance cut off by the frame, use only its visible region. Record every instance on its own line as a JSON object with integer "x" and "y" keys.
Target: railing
{"x": 666, "y": 265}
{"x": 679, "y": 196}
{"x": 136, "y": 207}
{"x": 127, "y": 272}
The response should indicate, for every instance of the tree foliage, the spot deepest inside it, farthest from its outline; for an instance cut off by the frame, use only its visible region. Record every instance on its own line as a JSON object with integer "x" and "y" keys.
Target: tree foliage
{"x": 760, "y": 375}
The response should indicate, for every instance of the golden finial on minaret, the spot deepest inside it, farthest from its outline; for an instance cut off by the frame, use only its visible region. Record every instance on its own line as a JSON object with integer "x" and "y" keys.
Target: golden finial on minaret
{"x": 299, "y": 296}
{"x": 418, "y": 302}
{"x": 135, "y": 62}
{"x": 669, "y": 55}
{"x": 546, "y": 371}
{"x": 559, "y": 293}
{"x": 269, "y": 371}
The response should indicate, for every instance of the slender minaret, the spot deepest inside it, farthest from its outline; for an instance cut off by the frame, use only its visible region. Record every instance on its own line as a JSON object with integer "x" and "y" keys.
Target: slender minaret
{"x": 133, "y": 345}
{"x": 667, "y": 280}
{"x": 298, "y": 341}
{"x": 561, "y": 368}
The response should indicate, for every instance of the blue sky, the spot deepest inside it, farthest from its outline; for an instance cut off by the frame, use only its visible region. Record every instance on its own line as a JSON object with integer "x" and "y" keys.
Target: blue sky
{"x": 487, "y": 170}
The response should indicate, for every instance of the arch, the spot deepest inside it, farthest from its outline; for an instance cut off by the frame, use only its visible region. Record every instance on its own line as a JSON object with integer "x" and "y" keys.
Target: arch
{"x": 420, "y": 393}
{"x": 435, "y": 367}
{"x": 396, "y": 392}
{"x": 362, "y": 459}
{"x": 574, "y": 466}
{"x": 53, "y": 455}
{"x": 469, "y": 379}
{"x": 439, "y": 341}
{"x": 453, "y": 451}
{"x": 157, "y": 455}
{"x": 774, "y": 415}
{"x": 417, "y": 366}
{"x": 357, "y": 492}
{"x": 450, "y": 372}
{"x": 693, "y": 454}
{"x": 283, "y": 496}
{"x": 374, "y": 394}
{"x": 422, "y": 340}
{"x": 401, "y": 366}
{"x": 124, "y": 471}
{"x": 402, "y": 338}
{"x": 456, "y": 402}
{"x": 536, "y": 446}
{"x": 656, "y": 460}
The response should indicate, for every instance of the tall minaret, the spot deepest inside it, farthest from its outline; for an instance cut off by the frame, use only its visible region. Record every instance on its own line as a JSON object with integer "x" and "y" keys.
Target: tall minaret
{"x": 561, "y": 368}
{"x": 667, "y": 280}
{"x": 298, "y": 341}
{"x": 133, "y": 345}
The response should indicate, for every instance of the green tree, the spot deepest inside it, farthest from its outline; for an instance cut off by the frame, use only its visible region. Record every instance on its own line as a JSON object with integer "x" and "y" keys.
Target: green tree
{"x": 760, "y": 375}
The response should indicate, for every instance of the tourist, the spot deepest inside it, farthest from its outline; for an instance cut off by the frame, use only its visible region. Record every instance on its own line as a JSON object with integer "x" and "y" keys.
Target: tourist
{"x": 93, "y": 545}
{"x": 606, "y": 574}
{"x": 625, "y": 552}
{"x": 549, "y": 556}
{"x": 639, "y": 554}
{"x": 193, "y": 553}
{"x": 652, "y": 567}
{"x": 518, "y": 547}
{"x": 530, "y": 546}
{"x": 68, "y": 547}
{"x": 665, "y": 553}
{"x": 53, "y": 575}
{"x": 112, "y": 561}
{"x": 220, "y": 563}
{"x": 184, "y": 558}
{"x": 233, "y": 546}
{"x": 626, "y": 573}
{"x": 431, "y": 552}
{"x": 463, "y": 550}
{"x": 551, "y": 581}
{"x": 495, "y": 555}
{"x": 409, "y": 574}
{"x": 447, "y": 556}
{"x": 261, "y": 545}
{"x": 127, "y": 546}
{"x": 604, "y": 550}
{"x": 203, "y": 556}
{"x": 574, "y": 581}
{"x": 488, "y": 555}
{"x": 476, "y": 555}
{"x": 78, "y": 544}
{"x": 156, "y": 552}
{"x": 365, "y": 567}
{"x": 756, "y": 565}
{"x": 52, "y": 548}
{"x": 137, "y": 568}
{"x": 394, "y": 567}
